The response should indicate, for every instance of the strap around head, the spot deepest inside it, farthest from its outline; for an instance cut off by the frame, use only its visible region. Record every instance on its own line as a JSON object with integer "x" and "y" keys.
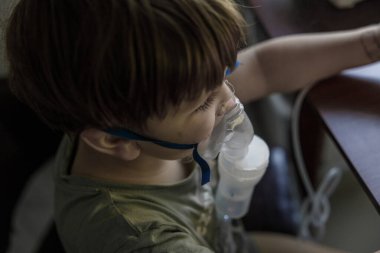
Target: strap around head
{"x": 126, "y": 134}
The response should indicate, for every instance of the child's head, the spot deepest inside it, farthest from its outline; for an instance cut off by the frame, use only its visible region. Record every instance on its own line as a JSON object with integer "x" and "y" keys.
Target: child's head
{"x": 116, "y": 63}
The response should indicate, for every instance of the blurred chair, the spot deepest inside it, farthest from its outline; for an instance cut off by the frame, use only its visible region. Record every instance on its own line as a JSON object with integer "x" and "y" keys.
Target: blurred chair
{"x": 26, "y": 143}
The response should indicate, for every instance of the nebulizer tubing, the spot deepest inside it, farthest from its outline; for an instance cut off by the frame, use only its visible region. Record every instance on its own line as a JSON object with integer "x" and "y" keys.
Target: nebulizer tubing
{"x": 242, "y": 161}
{"x": 315, "y": 209}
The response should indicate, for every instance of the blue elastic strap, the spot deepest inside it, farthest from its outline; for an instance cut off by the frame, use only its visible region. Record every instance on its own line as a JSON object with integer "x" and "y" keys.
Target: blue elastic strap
{"x": 126, "y": 134}
{"x": 205, "y": 169}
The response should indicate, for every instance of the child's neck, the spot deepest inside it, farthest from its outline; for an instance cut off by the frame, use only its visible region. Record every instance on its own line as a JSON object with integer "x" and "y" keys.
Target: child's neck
{"x": 145, "y": 170}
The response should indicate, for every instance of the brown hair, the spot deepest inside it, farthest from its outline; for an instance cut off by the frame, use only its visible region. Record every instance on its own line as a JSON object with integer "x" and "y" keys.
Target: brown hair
{"x": 114, "y": 63}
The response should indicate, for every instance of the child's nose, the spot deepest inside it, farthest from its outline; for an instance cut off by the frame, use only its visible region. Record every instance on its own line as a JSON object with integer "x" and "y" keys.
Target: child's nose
{"x": 226, "y": 107}
{"x": 228, "y": 100}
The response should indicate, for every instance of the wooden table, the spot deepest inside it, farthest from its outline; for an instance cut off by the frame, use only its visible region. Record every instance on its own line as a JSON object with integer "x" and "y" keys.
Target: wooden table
{"x": 348, "y": 105}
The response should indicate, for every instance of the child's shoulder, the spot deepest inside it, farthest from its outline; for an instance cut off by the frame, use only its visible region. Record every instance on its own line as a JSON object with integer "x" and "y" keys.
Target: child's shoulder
{"x": 129, "y": 220}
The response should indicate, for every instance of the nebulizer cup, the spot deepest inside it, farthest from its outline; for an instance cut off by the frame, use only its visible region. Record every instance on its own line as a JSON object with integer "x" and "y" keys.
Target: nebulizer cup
{"x": 242, "y": 161}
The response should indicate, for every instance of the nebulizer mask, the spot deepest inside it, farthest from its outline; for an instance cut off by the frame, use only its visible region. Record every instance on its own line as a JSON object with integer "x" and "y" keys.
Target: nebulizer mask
{"x": 242, "y": 160}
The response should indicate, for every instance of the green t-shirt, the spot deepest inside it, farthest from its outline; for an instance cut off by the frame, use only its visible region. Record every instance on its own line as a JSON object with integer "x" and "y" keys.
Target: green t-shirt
{"x": 97, "y": 216}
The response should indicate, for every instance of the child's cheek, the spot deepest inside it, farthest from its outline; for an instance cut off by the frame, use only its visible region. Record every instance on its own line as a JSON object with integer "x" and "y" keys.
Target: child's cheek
{"x": 203, "y": 130}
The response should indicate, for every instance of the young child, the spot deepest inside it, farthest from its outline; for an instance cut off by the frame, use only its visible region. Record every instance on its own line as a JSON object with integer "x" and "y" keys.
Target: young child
{"x": 138, "y": 86}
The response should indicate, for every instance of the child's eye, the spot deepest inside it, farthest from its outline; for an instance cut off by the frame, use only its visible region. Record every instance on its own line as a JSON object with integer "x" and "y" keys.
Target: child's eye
{"x": 206, "y": 104}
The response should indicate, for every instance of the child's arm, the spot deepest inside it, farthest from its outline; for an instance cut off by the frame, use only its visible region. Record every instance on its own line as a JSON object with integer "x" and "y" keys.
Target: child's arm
{"x": 292, "y": 62}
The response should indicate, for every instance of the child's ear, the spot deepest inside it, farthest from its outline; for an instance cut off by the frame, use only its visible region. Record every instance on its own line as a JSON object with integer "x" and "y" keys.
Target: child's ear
{"x": 110, "y": 145}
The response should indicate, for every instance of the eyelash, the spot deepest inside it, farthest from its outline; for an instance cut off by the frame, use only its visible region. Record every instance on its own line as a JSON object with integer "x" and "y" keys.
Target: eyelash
{"x": 206, "y": 104}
